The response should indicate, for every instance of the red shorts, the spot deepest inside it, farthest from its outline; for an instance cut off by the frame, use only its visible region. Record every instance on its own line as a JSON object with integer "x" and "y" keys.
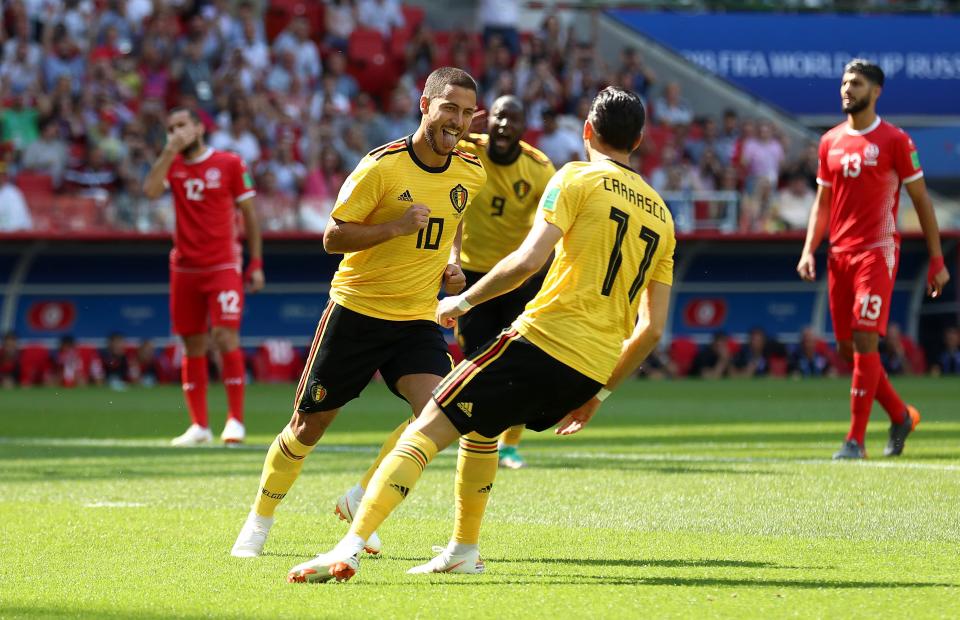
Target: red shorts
{"x": 861, "y": 284}
{"x": 198, "y": 300}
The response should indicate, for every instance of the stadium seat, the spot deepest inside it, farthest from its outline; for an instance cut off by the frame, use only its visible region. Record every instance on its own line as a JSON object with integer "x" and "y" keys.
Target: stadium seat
{"x": 412, "y": 15}
{"x": 365, "y": 46}
{"x": 34, "y": 363}
{"x": 276, "y": 361}
{"x": 915, "y": 355}
{"x": 34, "y": 184}
{"x": 682, "y": 352}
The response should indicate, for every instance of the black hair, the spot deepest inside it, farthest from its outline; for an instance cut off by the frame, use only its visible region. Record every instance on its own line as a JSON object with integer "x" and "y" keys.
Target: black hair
{"x": 447, "y": 76}
{"x": 193, "y": 113}
{"x": 871, "y": 71}
{"x": 618, "y": 117}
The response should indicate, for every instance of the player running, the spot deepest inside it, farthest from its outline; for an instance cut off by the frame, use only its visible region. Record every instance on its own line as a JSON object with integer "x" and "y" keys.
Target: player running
{"x": 863, "y": 163}
{"x": 397, "y": 221}
{"x": 600, "y": 312}
{"x": 502, "y": 215}
{"x": 206, "y": 285}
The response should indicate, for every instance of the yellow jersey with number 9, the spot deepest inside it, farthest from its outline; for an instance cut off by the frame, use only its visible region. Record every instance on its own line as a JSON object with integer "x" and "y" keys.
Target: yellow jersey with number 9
{"x": 617, "y": 236}
{"x": 503, "y": 211}
{"x": 399, "y": 279}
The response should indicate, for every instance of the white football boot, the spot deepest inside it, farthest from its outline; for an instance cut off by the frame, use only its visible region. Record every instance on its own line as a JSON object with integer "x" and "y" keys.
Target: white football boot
{"x": 347, "y": 507}
{"x": 467, "y": 562}
{"x": 252, "y": 536}
{"x": 233, "y": 432}
{"x": 341, "y": 564}
{"x": 194, "y": 436}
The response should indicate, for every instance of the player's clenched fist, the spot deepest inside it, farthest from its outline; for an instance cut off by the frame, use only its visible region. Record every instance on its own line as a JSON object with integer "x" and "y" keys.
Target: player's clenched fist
{"x": 415, "y": 218}
{"x": 453, "y": 279}
{"x": 807, "y": 267}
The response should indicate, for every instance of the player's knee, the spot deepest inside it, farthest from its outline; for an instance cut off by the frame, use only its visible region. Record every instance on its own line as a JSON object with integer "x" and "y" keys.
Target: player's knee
{"x": 308, "y": 428}
{"x": 226, "y": 339}
{"x": 845, "y": 349}
{"x": 866, "y": 342}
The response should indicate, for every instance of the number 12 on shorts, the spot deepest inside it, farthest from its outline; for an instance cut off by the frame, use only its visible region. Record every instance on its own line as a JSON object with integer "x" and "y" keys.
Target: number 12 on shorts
{"x": 870, "y": 306}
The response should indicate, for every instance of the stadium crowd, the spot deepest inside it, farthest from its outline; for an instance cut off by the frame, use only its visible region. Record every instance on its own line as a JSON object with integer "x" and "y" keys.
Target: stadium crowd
{"x": 303, "y": 90}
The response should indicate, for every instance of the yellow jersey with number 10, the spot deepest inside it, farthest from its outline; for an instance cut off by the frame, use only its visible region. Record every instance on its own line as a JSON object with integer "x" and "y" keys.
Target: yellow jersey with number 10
{"x": 503, "y": 211}
{"x": 399, "y": 279}
{"x": 617, "y": 237}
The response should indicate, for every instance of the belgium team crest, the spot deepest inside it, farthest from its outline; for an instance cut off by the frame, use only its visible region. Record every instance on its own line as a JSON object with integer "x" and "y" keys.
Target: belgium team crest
{"x": 521, "y": 188}
{"x": 458, "y": 196}
{"x": 319, "y": 393}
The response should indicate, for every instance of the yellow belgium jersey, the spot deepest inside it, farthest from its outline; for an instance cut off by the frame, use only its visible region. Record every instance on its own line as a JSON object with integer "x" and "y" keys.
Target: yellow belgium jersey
{"x": 503, "y": 211}
{"x": 399, "y": 279}
{"x": 617, "y": 236}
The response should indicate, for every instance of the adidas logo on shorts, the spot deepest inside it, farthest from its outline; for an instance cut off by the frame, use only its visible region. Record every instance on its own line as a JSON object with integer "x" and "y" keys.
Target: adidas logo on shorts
{"x": 466, "y": 408}
{"x": 405, "y": 196}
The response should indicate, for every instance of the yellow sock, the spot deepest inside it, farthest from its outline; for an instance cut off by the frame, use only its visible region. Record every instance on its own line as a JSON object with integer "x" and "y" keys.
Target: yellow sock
{"x": 394, "y": 480}
{"x": 477, "y": 462}
{"x": 280, "y": 469}
{"x": 385, "y": 449}
{"x": 511, "y": 436}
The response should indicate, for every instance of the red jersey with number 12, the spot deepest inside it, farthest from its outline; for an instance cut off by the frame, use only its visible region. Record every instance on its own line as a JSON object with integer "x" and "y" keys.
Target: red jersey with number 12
{"x": 865, "y": 170}
{"x": 205, "y": 192}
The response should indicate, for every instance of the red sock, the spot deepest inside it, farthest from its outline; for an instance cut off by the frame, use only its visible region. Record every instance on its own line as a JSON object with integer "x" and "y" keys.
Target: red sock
{"x": 195, "y": 378}
{"x": 233, "y": 380}
{"x": 890, "y": 400}
{"x": 867, "y": 370}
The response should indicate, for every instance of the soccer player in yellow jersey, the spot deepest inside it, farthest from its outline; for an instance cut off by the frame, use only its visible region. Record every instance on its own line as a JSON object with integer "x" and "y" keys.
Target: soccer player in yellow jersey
{"x": 397, "y": 221}
{"x": 500, "y": 219}
{"x": 600, "y": 312}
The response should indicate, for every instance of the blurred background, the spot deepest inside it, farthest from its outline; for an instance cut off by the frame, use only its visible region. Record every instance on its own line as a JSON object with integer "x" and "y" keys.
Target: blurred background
{"x": 737, "y": 96}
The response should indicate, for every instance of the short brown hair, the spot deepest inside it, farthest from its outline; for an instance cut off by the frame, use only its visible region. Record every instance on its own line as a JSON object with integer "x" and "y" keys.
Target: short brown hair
{"x": 447, "y": 76}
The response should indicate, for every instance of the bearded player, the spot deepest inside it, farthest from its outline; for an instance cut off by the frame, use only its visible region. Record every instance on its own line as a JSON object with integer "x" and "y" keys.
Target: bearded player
{"x": 500, "y": 219}
{"x": 863, "y": 164}
{"x": 206, "y": 283}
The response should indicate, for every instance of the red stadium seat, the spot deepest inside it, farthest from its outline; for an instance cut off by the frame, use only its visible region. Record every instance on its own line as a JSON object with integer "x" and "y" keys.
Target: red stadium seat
{"x": 413, "y": 15}
{"x": 365, "y": 46}
{"x": 34, "y": 184}
{"x": 915, "y": 355}
{"x": 682, "y": 352}
{"x": 34, "y": 363}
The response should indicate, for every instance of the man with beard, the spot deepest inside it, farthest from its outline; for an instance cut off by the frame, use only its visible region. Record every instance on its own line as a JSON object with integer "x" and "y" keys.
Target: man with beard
{"x": 863, "y": 164}
{"x": 502, "y": 215}
{"x": 397, "y": 221}
{"x": 206, "y": 284}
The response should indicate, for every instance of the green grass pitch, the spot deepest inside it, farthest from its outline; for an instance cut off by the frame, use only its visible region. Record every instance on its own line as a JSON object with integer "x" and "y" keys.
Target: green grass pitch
{"x": 682, "y": 499}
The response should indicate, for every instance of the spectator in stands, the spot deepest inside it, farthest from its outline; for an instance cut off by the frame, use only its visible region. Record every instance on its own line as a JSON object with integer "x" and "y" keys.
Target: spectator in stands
{"x": 807, "y": 360}
{"x": 194, "y": 75}
{"x": 671, "y": 108}
{"x": 398, "y": 121}
{"x": 762, "y": 156}
{"x": 253, "y": 46}
{"x": 48, "y": 155}
{"x": 20, "y": 70}
{"x": 328, "y": 101}
{"x": 728, "y": 136}
{"x": 559, "y": 143}
{"x": 380, "y": 15}
{"x": 893, "y": 352}
{"x": 641, "y": 77}
{"x": 498, "y": 20}
{"x": 155, "y": 72}
{"x": 9, "y": 361}
{"x": 276, "y": 209}
{"x": 147, "y": 368}
{"x": 94, "y": 176}
{"x": 340, "y": 19}
{"x": 805, "y": 165}
{"x": 756, "y": 207}
{"x": 949, "y": 361}
{"x": 753, "y": 358}
{"x": 352, "y": 145}
{"x": 791, "y": 205}
{"x": 116, "y": 364}
{"x": 658, "y": 365}
{"x": 64, "y": 59}
{"x": 19, "y": 122}
{"x": 68, "y": 369}
{"x": 583, "y": 78}
{"x": 289, "y": 173}
{"x": 238, "y": 139}
{"x": 295, "y": 39}
{"x": 345, "y": 84}
{"x": 420, "y": 52}
{"x": 709, "y": 170}
{"x": 14, "y": 212}
{"x": 713, "y": 361}
{"x": 326, "y": 175}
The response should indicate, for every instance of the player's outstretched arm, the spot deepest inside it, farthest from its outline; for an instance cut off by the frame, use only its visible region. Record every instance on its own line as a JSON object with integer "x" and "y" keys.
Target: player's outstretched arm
{"x": 341, "y": 237}
{"x": 506, "y": 275}
{"x": 937, "y": 274}
{"x": 816, "y": 230}
{"x": 654, "y": 308}
{"x": 251, "y": 225}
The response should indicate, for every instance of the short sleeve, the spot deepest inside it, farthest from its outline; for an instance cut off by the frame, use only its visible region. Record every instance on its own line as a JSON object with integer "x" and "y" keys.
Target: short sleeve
{"x": 907, "y": 160}
{"x": 823, "y": 172}
{"x": 360, "y": 193}
{"x": 663, "y": 272}
{"x": 242, "y": 183}
{"x": 560, "y": 202}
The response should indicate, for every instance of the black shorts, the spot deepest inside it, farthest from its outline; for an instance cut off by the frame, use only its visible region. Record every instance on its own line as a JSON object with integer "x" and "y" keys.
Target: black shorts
{"x": 350, "y": 347}
{"x": 485, "y": 322}
{"x": 511, "y": 382}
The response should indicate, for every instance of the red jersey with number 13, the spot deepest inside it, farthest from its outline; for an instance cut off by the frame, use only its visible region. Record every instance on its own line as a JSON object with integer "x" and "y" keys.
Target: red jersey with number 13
{"x": 865, "y": 170}
{"x": 205, "y": 192}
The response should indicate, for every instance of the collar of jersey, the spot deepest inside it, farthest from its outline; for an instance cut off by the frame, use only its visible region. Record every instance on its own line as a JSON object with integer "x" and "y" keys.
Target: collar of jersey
{"x": 423, "y": 166}
{"x": 863, "y": 132}
{"x": 624, "y": 166}
{"x": 200, "y": 158}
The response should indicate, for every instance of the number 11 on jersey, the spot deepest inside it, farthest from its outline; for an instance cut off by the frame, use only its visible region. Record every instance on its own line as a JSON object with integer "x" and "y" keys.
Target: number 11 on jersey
{"x": 649, "y": 236}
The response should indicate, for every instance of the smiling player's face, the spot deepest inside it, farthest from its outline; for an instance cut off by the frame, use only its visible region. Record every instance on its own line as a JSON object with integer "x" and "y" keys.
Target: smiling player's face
{"x": 505, "y": 126}
{"x": 448, "y": 117}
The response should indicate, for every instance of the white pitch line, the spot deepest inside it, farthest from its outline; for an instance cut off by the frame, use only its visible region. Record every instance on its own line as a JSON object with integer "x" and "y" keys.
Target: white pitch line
{"x": 577, "y": 456}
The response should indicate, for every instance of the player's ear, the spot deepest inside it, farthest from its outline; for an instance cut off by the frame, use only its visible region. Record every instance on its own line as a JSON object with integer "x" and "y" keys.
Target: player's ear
{"x": 424, "y": 105}
{"x": 587, "y": 130}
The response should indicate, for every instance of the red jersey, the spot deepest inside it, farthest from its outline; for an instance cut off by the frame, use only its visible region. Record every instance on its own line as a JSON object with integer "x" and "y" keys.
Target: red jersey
{"x": 205, "y": 192}
{"x": 865, "y": 170}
